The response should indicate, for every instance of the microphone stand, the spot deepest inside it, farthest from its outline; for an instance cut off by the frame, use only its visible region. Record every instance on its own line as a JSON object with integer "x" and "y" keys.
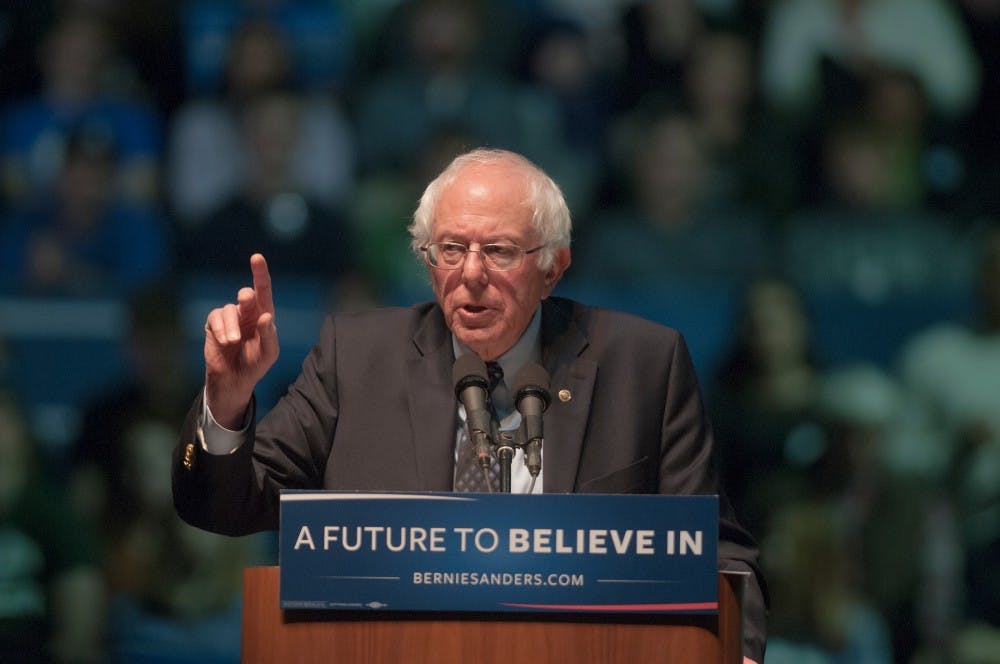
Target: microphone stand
{"x": 505, "y": 455}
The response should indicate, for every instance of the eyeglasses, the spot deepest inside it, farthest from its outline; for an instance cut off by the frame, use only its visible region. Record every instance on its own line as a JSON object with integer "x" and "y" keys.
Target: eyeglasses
{"x": 496, "y": 257}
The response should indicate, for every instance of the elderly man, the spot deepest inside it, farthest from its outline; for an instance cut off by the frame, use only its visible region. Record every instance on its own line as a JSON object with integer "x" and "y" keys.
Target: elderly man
{"x": 374, "y": 406}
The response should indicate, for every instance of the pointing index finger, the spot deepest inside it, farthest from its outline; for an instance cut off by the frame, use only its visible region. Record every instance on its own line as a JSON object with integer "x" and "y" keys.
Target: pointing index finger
{"x": 262, "y": 284}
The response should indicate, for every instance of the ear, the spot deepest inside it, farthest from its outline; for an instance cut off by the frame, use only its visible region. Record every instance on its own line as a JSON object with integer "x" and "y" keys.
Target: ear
{"x": 560, "y": 262}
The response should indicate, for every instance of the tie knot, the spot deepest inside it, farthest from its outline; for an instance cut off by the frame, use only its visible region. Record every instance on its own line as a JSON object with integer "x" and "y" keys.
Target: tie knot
{"x": 495, "y": 372}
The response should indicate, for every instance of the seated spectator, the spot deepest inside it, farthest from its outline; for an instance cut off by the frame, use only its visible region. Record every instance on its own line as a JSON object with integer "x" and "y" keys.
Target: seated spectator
{"x": 75, "y": 65}
{"x": 764, "y": 399}
{"x": 668, "y": 227}
{"x": 445, "y": 81}
{"x": 559, "y": 62}
{"x": 175, "y": 590}
{"x": 318, "y": 34}
{"x": 950, "y": 436}
{"x": 207, "y": 154}
{"x": 751, "y": 154}
{"x": 901, "y": 529}
{"x": 857, "y": 238}
{"x": 82, "y": 239}
{"x": 660, "y": 37}
{"x": 52, "y": 600}
{"x": 156, "y": 385}
{"x": 271, "y": 213}
{"x": 817, "y": 614}
{"x": 816, "y": 51}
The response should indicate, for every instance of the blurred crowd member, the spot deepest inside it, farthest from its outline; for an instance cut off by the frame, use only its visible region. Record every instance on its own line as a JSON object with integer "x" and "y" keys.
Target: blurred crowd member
{"x": 764, "y": 400}
{"x": 981, "y": 131}
{"x": 660, "y": 36}
{"x": 52, "y": 600}
{"x": 667, "y": 226}
{"x": 857, "y": 239}
{"x": 270, "y": 212}
{"x": 902, "y": 530}
{"x": 445, "y": 79}
{"x": 318, "y": 34}
{"x": 951, "y": 434}
{"x": 818, "y": 613}
{"x": 381, "y": 211}
{"x": 815, "y": 52}
{"x": 157, "y": 385}
{"x": 83, "y": 239}
{"x": 21, "y": 27}
{"x": 752, "y": 158}
{"x": 175, "y": 590}
{"x": 77, "y": 90}
{"x": 559, "y": 62}
{"x": 207, "y": 160}
{"x": 924, "y": 165}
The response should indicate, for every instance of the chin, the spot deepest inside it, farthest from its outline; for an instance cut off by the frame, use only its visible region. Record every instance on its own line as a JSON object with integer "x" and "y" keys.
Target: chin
{"x": 481, "y": 344}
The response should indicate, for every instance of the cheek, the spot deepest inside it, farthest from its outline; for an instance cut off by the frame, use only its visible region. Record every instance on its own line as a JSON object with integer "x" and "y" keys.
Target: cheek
{"x": 439, "y": 284}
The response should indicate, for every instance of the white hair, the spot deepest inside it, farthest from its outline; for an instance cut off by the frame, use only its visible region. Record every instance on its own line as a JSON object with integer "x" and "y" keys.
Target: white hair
{"x": 549, "y": 213}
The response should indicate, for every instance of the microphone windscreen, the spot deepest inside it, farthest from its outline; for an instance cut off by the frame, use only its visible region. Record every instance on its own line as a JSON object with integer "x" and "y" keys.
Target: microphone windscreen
{"x": 532, "y": 379}
{"x": 469, "y": 369}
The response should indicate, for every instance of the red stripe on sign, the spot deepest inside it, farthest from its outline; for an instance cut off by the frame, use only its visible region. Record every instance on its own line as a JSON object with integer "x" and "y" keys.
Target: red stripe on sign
{"x": 703, "y": 606}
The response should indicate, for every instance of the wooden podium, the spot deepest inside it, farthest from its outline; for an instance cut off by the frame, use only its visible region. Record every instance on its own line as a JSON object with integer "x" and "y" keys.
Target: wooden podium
{"x": 271, "y": 634}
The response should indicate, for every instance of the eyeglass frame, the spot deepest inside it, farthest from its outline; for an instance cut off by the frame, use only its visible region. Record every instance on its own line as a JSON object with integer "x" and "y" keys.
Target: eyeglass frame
{"x": 486, "y": 262}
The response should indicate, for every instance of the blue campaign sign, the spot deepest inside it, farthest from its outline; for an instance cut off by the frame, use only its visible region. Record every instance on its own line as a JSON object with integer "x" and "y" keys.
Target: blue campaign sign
{"x": 499, "y": 552}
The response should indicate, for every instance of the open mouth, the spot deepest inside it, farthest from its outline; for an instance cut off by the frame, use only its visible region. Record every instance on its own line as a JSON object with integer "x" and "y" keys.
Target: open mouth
{"x": 473, "y": 309}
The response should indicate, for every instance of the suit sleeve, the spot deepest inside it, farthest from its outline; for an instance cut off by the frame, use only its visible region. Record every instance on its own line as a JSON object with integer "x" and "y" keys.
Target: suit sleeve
{"x": 238, "y": 493}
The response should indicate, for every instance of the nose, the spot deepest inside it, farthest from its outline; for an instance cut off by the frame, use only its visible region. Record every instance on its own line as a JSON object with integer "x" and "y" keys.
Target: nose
{"x": 474, "y": 269}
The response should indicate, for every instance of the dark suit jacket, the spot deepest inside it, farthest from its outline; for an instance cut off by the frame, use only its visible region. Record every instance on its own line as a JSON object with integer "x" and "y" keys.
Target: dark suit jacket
{"x": 374, "y": 408}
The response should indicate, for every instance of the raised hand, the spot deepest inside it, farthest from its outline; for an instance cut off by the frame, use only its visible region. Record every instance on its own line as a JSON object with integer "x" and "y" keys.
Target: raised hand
{"x": 241, "y": 344}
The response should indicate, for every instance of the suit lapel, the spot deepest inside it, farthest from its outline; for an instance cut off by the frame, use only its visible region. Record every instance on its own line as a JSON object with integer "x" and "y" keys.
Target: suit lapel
{"x": 572, "y": 387}
{"x": 432, "y": 404}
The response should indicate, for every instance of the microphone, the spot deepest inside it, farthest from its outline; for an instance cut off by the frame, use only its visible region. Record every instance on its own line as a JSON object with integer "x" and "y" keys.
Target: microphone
{"x": 471, "y": 388}
{"x": 531, "y": 398}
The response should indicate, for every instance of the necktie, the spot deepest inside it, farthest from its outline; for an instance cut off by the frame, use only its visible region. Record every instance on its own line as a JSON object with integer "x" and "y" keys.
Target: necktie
{"x": 469, "y": 475}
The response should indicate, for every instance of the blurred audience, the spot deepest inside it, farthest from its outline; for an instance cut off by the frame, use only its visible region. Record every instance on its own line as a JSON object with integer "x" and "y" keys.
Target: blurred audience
{"x": 668, "y": 225}
{"x": 818, "y": 614}
{"x": 981, "y": 133}
{"x": 751, "y": 153}
{"x": 660, "y": 37}
{"x": 207, "y": 161}
{"x": 317, "y": 32}
{"x": 764, "y": 399}
{"x": 52, "y": 598}
{"x": 858, "y": 238}
{"x": 270, "y": 212}
{"x": 82, "y": 239}
{"x": 175, "y": 590}
{"x": 157, "y": 386}
{"x": 445, "y": 79}
{"x": 950, "y": 437}
{"x": 559, "y": 63}
{"x": 901, "y": 529}
{"x": 78, "y": 91}
{"x": 816, "y": 52}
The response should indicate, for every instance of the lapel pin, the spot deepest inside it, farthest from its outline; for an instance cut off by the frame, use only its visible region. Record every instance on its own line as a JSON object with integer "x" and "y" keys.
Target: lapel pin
{"x": 565, "y": 395}
{"x": 189, "y": 456}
